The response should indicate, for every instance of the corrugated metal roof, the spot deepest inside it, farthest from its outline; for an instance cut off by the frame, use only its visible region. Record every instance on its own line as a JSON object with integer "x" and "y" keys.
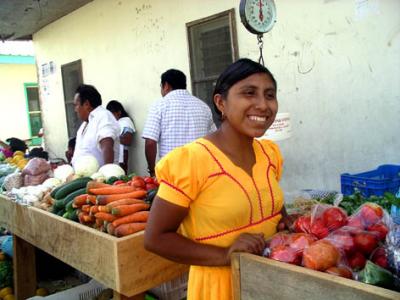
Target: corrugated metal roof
{"x": 24, "y": 48}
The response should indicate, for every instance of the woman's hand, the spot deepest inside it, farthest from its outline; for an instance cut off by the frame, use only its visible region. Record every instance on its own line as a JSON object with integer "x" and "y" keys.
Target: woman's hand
{"x": 287, "y": 220}
{"x": 248, "y": 243}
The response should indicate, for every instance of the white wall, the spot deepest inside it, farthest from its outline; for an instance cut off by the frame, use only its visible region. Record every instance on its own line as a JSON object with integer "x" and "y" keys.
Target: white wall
{"x": 13, "y": 111}
{"x": 337, "y": 67}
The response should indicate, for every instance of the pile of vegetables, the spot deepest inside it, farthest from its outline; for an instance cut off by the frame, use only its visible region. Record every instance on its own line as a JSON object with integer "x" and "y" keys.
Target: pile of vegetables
{"x": 120, "y": 208}
{"x": 352, "y": 202}
{"x": 327, "y": 240}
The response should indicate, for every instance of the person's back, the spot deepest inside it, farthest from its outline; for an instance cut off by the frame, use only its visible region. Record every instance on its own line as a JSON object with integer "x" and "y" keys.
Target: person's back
{"x": 184, "y": 118}
{"x": 175, "y": 120}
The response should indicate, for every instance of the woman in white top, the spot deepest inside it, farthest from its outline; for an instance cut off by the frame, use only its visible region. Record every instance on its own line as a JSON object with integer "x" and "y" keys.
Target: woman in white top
{"x": 126, "y": 133}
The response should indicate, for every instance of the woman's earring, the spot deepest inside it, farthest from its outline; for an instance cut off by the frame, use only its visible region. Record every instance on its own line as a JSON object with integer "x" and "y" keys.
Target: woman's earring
{"x": 223, "y": 117}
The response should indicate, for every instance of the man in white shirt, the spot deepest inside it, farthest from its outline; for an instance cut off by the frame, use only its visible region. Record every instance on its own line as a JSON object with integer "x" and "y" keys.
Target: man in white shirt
{"x": 176, "y": 119}
{"x": 98, "y": 135}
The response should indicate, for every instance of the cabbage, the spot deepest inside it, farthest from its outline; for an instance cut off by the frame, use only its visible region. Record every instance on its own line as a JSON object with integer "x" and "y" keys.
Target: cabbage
{"x": 110, "y": 170}
{"x": 62, "y": 172}
{"x": 86, "y": 165}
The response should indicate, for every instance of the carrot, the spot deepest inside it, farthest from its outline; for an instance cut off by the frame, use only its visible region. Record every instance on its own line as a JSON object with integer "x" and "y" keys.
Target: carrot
{"x": 86, "y": 208}
{"x": 99, "y": 222}
{"x": 123, "y": 210}
{"x": 140, "y": 216}
{"x": 91, "y": 199}
{"x": 112, "y": 190}
{"x": 95, "y": 185}
{"x": 105, "y": 216}
{"x": 79, "y": 201}
{"x": 129, "y": 228}
{"x": 124, "y": 202}
{"x": 94, "y": 209}
{"x": 87, "y": 218}
{"x": 105, "y": 199}
{"x": 110, "y": 228}
{"x": 104, "y": 208}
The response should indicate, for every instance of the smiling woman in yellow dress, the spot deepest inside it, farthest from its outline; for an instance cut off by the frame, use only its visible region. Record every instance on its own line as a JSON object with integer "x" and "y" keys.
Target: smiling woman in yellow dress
{"x": 220, "y": 193}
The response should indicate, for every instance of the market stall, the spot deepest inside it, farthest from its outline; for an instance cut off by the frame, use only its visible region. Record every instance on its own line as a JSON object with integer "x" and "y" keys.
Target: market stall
{"x": 121, "y": 264}
{"x": 257, "y": 277}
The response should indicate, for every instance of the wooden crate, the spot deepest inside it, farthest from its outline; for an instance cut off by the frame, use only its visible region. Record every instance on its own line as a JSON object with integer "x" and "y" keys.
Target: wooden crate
{"x": 121, "y": 264}
{"x": 257, "y": 278}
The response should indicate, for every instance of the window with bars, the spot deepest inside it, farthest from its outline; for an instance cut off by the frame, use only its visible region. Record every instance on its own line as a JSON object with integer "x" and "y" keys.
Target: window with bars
{"x": 72, "y": 78}
{"x": 212, "y": 47}
{"x": 34, "y": 112}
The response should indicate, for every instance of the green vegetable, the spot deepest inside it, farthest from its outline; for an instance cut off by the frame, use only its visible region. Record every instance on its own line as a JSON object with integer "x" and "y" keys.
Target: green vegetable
{"x": 72, "y": 195}
{"x": 70, "y": 187}
{"x": 374, "y": 274}
{"x": 352, "y": 202}
{"x": 6, "y": 273}
{"x": 111, "y": 180}
{"x": 58, "y": 204}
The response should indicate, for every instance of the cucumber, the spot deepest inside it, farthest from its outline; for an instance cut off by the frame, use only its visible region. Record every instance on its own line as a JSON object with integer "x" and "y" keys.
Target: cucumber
{"x": 61, "y": 212}
{"x": 69, "y": 207}
{"x": 72, "y": 186}
{"x": 54, "y": 191}
{"x": 74, "y": 215}
{"x": 58, "y": 205}
{"x": 70, "y": 197}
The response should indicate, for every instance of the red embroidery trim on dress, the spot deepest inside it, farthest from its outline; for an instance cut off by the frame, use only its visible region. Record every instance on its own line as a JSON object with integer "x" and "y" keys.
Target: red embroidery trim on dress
{"x": 268, "y": 180}
{"x": 216, "y": 174}
{"x": 223, "y": 172}
{"x": 176, "y": 189}
{"x": 236, "y": 229}
{"x": 259, "y": 198}
{"x": 265, "y": 153}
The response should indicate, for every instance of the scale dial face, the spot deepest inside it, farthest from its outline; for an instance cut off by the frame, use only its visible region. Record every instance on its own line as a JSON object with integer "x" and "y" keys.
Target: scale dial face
{"x": 258, "y": 16}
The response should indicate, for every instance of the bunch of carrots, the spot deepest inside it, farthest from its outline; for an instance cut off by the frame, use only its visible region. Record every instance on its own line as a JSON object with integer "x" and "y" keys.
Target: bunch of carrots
{"x": 117, "y": 209}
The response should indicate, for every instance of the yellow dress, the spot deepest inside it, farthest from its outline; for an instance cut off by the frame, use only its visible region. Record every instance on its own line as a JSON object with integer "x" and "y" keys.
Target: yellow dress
{"x": 223, "y": 201}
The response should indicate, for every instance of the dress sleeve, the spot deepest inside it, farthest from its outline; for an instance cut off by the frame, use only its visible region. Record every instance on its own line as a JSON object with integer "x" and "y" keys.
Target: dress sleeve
{"x": 277, "y": 159}
{"x": 179, "y": 177}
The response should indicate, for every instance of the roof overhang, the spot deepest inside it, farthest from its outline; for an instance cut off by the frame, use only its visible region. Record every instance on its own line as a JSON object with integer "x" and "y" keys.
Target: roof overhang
{"x": 20, "y": 19}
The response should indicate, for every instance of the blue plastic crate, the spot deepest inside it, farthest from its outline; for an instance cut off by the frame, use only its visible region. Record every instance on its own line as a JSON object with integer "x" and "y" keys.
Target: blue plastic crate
{"x": 385, "y": 178}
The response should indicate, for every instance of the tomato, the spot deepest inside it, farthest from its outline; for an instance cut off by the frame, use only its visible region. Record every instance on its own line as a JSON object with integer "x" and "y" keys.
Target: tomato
{"x": 334, "y": 218}
{"x": 357, "y": 261}
{"x": 318, "y": 229}
{"x": 371, "y": 214}
{"x": 302, "y": 224}
{"x": 118, "y": 182}
{"x": 320, "y": 256}
{"x": 285, "y": 254}
{"x": 355, "y": 221}
{"x": 151, "y": 186}
{"x": 343, "y": 240}
{"x": 299, "y": 241}
{"x": 380, "y": 229}
{"x": 379, "y": 258}
{"x": 138, "y": 182}
{"x": 278, "y": 240}
{"x": 148, "y": 179}
{"x": 340, "y": 271}
{"x": 365, "y": 242}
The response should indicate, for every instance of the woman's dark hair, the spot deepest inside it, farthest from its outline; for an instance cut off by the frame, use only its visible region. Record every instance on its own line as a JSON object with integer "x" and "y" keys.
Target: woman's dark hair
{"x": 16, "y": 144}
{"x": 89, "y": 93}
{"x": 236, "y": 72}
{"x": 175, "y": 78}
{"x": 38, "y": 152}
{"x": 114, "y": 106}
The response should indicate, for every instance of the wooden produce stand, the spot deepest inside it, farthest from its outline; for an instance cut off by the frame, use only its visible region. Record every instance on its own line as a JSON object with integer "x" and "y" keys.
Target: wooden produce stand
{"x": 121, "y": 264}
{"x": 256, "y": 277}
